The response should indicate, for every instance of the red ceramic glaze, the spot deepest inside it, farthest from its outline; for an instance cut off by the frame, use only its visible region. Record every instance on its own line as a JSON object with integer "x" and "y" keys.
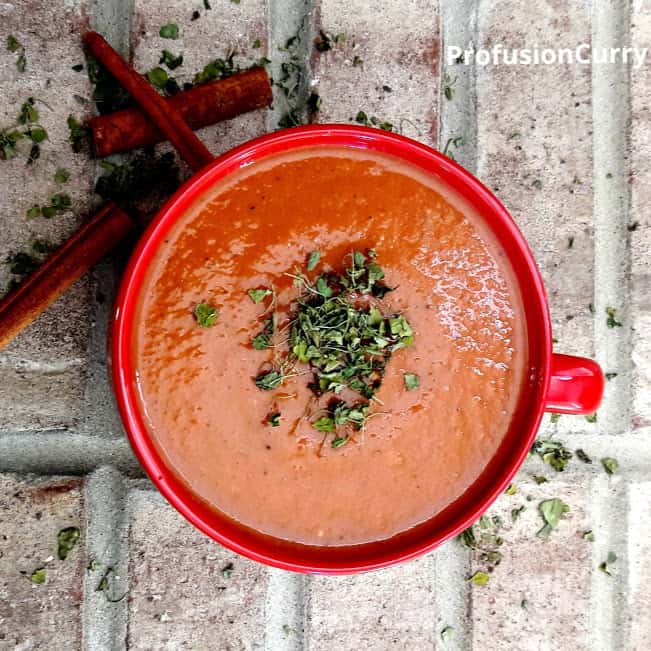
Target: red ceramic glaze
{"x": 554, "y": 383}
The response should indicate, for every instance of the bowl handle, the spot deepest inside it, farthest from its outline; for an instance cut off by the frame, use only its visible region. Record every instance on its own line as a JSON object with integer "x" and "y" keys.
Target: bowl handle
{"x": 576, "y": 385}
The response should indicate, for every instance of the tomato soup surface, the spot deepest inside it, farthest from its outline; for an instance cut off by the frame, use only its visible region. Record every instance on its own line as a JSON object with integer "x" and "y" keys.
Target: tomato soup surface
{"x": 420, "y": 449}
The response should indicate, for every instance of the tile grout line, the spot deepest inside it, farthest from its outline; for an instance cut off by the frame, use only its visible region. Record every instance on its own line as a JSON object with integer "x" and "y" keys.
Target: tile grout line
{"x": 285, "y": 614}
{"x": 611, "y": 88}
{"x": 609, "y": 497}
{"x": 62, "y": 452}
{"x": 104, "y": 611}
{"x": 457, "y": 117}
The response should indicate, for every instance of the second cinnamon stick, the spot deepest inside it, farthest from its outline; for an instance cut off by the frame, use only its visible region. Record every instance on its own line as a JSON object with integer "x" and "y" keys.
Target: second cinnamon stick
{"x": 200, "y": 106}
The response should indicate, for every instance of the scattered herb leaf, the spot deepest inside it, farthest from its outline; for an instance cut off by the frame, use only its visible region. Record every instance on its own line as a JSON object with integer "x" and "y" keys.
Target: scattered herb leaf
{"x": 551, "y": 512}
{"x": 172, "y": 61}
{"x": 61, "y": 175}
{"x": 480, "y": 578}
{"x": 610, "y": 465}
{"x": 592, "y": 418}
{"x": 552, "y": 452}
{"x": 446, "y": 633}
{"x": 171, "y": 30}
{"x": 157, "y": 77}
{"x": 38, "y": 576}
{"x": 227, "y": 571}
{"x": 512, "y": 489}
{"x": 612, "y": 321}
{"x": 66, "y": 540}
{"x": 588, "y": 535}
{"x": 79, "y": 135}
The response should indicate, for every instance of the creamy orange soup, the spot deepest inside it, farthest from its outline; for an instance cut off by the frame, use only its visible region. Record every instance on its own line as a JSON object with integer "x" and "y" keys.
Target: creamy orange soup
{"x": 420, "y": 449}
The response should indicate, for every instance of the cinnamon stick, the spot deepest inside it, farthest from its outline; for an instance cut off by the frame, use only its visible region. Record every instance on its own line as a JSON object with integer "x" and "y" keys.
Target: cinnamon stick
{"x": 200, "y": 106}
{"x": 191, "y": 149}
{"x": 68, "y": 263}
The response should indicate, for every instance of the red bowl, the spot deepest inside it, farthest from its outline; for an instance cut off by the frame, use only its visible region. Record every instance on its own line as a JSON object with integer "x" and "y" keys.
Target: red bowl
{"x": 554, "y": 383}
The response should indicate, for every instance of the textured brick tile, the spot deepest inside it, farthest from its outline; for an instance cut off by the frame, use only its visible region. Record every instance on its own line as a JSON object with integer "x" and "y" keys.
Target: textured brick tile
{"x": 386, "y": 609}
{"x": 534, "y": 151}
{"x": 179, "y": 597}
{"x": 398, "y": 47}
{"x": 552, "y": 576}
{"x": 227, "y": 26}
{"x": 42, "y": 616}
{"x": 50, "y": 35}
{"x": 638, "y": 600}
{"x": 641, "y": 237}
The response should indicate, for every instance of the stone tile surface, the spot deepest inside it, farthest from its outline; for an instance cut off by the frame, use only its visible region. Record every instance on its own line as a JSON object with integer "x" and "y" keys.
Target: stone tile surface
{"x": 181, "y": 595}
{"x": 386, "y": 609}
{"x": 53, "y": 349}
{"x": 226, "y": 27}
{"x": 386, "y": 64}
{"x": 550, "y": 577}
{"x": 534, "y": 151}
{"x": 39, "y": 616}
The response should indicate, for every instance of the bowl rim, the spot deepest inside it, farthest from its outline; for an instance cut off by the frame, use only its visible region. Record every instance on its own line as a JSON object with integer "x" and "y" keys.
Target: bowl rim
{"x": 336, "y": 135}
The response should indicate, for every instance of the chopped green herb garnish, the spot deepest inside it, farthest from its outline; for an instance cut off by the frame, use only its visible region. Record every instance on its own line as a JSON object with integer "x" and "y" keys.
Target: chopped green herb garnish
{"x": 171, "y": 30}
{"x": 67, "y": 539}
{"x": 21, "y": 62}
{"x": 480, "y": 578}
{"x": 446, "y": 633}
{"x": 206, "y": 315}
{"x": 592, "y": 418}
{"x": 258, "y": 295}
{"x": 552, "y": 452}
{"x": 273, "y": 419}
{"x": 582, "y": 456}
{"x": 610, "y": 376}
{"x": 268, "y": 381}
{"x": 554, "y": 418}
{"x": 612, "y": 321}
{"x": 172, "y": 61}
{"x": 38, "y": 576}
{"x": 512, "y": 489}
{"x": 78, "y": 67}
{"x": 539, "y": 479}
{"x": 552, "y": 512}
{"x": 588, "y": 535}
{"x": 324, "y": 424}
{"x": 256, "y": 44}
{"x": 261, "y": 341}
{"x": 339, "y": 441}
{"x": 357, "y": 61}
{"x": 227, "y": 571}
{"x": 411, "y": 380}
{"x": 610, "y": 465}
{"x": 313, "y": 260}
{"x": 61, "y": 175}
{"x": 206, "y": 5}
